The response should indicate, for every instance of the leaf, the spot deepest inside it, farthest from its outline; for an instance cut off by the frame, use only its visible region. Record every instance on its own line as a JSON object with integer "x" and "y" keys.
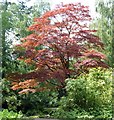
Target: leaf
{"x": 66, "y": 38}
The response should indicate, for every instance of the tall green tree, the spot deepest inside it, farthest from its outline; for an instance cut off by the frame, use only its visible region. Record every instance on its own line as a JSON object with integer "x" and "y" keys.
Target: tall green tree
{"x": 104, "y": 24}
{"x": 16, "y": 17}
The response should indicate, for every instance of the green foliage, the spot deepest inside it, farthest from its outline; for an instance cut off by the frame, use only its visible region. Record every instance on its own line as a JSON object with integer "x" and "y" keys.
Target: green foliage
{"x": 10, "y": 98}
{"x": 28, "y": 104}
{"x": 5, "y": 114}
{"x": 34, "y": 103}
{"x": 16, "y": 17}
{"x": 104, "y": 24}
{"x": 76, "y": 113}
{"x": 93, "y": 89}
{"x": 90, "y": 95}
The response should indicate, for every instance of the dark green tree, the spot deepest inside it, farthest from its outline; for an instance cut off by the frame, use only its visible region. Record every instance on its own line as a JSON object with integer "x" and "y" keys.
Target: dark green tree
{"x": 15, "y": 19}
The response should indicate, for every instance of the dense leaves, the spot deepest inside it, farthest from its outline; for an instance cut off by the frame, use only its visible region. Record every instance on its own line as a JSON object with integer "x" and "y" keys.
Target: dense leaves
{"x": 15, "y": 17}
{"x": 66, "y": 46}
{"x": 56, "y": 58}
{"x": 5, "y": 114}
{"x": 104, "y": 24}
{"x": 89, "y": 96}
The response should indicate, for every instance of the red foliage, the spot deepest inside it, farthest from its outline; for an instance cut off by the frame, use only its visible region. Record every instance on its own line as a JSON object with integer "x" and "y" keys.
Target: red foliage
{"x": 62, "y": 35}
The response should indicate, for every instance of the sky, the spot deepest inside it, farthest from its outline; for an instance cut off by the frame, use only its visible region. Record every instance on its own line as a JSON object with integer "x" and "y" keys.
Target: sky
{"x": 90, "y": 3}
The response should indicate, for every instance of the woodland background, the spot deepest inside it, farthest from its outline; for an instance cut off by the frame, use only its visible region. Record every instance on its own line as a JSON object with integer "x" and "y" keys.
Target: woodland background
{"x": 88, "y": 95}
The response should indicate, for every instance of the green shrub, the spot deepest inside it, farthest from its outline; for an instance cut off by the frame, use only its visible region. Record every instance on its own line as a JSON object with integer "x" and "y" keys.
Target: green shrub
{"x": 5, "y": 114}
{"x": 89, "y": 95}
{"x": 10, "y": 98}
{"x": 34, "y": 103}
{"x": 29, "y": 104}
{"x": 92, "y": 90}
{"x": 76, "y": 113}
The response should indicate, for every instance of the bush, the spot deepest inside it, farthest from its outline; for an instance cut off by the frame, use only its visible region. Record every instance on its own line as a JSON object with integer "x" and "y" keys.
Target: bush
{"x": 89, "y": 94}
{"x": 34, "y": 103}
{"x": 28, "y": 104}
{"x": 5, "y": 114}
{"x": 92, "y": 90}
{"x": 76, "y": 113}
{"x": 10, "y": 99}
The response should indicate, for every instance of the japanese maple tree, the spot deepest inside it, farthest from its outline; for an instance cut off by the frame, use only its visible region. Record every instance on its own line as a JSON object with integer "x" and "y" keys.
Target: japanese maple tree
{"x": 61, "y": 46}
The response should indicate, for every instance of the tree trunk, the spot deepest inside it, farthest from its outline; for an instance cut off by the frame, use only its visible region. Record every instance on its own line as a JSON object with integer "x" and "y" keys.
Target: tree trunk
{"x": 62, "y": 92}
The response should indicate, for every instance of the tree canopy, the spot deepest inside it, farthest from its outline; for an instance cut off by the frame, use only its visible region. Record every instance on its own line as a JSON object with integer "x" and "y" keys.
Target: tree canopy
{"x": 61, "y": 46}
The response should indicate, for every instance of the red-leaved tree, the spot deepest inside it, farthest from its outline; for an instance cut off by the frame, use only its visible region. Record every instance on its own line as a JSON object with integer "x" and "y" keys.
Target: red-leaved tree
{"x": 61, "y": 46}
